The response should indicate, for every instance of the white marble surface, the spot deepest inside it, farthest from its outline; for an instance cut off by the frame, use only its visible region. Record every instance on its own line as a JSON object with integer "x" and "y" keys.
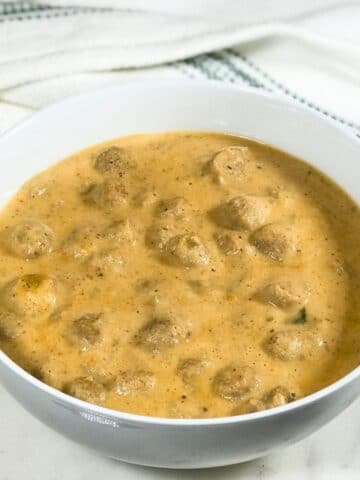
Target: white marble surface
{"x": 32, "y": 451}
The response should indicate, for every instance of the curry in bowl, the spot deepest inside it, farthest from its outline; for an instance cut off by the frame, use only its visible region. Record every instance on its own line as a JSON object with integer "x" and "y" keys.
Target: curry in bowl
{"x": 183, "y": 275}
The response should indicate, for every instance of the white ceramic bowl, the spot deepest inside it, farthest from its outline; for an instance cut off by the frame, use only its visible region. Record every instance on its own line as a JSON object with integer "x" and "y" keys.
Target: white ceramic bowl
{"x": 158, "y": 106}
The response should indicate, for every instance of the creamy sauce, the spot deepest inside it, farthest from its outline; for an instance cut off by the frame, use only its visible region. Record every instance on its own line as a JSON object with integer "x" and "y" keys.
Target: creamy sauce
{"x": 181, "y": 275}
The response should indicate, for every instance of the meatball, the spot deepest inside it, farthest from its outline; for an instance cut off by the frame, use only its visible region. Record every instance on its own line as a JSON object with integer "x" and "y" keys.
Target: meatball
{"x": 159, "y": 334}
{"x": 250, "y": 406}
{"x": 86, "y": 331}
{"x": 82, "y": 242}
{"x": 31, "y": 239}
{"x": 274, "y": 240}
{"x": 113, "y": 161}
{"x": 159, "y": 234}
{"x": 107, "y": 195}
{"x": 274, "y": 398}
{"x": 187, "y": 250}
{"x": 31, "y": 295}
{"x": 173, "y": 207}
{"x": 133, "y": 382}
{"x": 284, "y": 293}
{"x": 230, "y": 243}
{"x": 191, "y": 368}
{"x": 105, "y": 262}
{"x": 85, "y": 388}
{"x": 10, "y": 325}
{"x": 293, "y": 344}
{"x": 278, "y": 396}
{"x": 120, "y": 232}
{"x": 235, "y": 381}
{"x": 244, "y": 212}
{"x": 228, "y": 163}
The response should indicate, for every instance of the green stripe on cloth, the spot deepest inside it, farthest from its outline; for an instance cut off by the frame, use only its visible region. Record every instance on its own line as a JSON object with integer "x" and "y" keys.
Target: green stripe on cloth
{"x": 19, "y": 11}
{"x": 277, "y": 86}
{"x": 231, "y": 66}
{"x": 10, "y": 8}
{"x": 216, "y": 66}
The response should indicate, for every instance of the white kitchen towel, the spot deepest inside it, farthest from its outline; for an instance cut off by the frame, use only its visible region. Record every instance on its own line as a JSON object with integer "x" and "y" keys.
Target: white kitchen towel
{"x": 308, "y": 50}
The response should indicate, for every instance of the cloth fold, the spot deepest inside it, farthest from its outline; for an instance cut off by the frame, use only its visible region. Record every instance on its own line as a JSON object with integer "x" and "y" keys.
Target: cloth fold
{"x": 309, "y": 50}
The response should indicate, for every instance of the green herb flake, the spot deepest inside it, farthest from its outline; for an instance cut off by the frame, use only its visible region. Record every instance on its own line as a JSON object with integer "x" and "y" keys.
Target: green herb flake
{"x": 299, "y": 318}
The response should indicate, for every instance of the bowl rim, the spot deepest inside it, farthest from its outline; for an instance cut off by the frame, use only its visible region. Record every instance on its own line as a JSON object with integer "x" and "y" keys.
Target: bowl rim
{"x": 120, "y": 416}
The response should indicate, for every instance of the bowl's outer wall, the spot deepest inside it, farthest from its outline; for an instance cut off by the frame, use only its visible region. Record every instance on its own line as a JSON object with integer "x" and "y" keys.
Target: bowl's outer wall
{"x": 181, "y": 446}
{"x": 154, "y": 107}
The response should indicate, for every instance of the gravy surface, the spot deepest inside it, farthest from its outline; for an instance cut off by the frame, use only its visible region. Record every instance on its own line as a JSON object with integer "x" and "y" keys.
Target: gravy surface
{"x": 182, "y": 275}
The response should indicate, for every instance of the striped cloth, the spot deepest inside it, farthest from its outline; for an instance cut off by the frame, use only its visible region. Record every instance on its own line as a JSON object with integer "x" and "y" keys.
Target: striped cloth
{"x": 32, "y": 80}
